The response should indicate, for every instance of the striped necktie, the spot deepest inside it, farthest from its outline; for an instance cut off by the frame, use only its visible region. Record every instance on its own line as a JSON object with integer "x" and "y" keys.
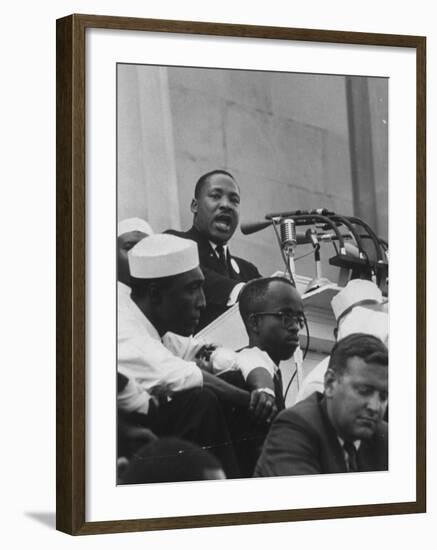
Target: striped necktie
{"x": 352, "y": 456}
{"x": 279, "y": 390}
{"x": 221, "y": 253}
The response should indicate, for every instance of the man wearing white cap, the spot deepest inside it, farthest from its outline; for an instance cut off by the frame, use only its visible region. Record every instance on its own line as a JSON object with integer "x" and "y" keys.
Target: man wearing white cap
{"x": 358, "y": 307}
{"x": 129, "y": 232}
{"x": 167, "y": 297}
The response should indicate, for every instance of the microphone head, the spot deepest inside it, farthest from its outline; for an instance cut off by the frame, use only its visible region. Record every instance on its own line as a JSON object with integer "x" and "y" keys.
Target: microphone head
{"x": 288, "y": 233}
{"x": 249, "y": 228}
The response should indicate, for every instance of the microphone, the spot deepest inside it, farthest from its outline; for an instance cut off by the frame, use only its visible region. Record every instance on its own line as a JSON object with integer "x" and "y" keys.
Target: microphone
{"x": 249, "y": 228}
{"x": 288, "y": 234}
{"x": 287, "y": 214}
{"x": 311, "y": 235}
{"x": 318, "y": 281}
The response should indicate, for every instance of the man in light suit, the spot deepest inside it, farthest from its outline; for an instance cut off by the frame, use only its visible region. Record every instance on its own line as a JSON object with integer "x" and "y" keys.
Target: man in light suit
{"x": 341, "y": 430}
{"x": 215, "y": 209}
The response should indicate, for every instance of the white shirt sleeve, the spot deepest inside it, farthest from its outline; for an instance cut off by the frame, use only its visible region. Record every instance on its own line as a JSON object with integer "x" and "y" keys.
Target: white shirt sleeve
{"x": 222, "y": 359}
{"x": 251, "y": 358}
{"x": 155, "y": 368}
{"x": 182, "y": 346}
{"x": 133, "y": 398}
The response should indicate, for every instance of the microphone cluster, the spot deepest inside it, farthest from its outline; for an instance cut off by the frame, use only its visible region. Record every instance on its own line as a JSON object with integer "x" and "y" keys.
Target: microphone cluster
{"x": 327, "y": 223}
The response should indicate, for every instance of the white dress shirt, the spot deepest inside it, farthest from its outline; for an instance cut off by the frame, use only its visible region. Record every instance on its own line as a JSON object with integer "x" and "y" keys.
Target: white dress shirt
{"x": 315, "y": 381}
{"x": 144, "y": 357}
{"x": 249, "y": 359}
{"x": 133, "y": 398}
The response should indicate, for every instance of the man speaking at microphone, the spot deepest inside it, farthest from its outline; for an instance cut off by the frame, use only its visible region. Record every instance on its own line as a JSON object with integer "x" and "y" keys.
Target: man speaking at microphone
{"x": 216, "y": 212}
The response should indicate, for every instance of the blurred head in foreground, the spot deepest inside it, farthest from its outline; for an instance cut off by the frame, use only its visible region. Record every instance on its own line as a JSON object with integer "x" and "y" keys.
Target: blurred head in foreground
{"x": 171, "y": 459}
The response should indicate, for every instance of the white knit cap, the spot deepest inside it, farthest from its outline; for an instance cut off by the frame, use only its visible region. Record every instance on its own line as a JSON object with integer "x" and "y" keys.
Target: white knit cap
{"x": 356, "y": 292}
{"x": 162, "y": 255}
{"x": 133, "y": 224}
{"x": 361, "y": 319}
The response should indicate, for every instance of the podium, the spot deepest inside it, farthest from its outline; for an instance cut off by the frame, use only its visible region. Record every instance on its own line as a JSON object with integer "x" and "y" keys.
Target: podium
{"x": 228, "y": 330}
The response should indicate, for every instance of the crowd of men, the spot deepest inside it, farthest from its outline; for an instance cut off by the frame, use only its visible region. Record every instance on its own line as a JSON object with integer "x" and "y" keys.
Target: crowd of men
{"x": 189, "y": 409}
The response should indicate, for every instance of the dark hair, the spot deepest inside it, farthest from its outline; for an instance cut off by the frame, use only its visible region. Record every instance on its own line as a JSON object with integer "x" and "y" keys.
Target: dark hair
{"x": 253, "y": 295}
{"x": 169, "y": 459}
{"x": 204, "y": 179}
{"x": 365, "y": 346}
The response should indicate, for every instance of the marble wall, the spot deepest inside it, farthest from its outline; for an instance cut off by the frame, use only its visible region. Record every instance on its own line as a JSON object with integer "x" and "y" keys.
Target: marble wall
{"x": 285, "y": 137}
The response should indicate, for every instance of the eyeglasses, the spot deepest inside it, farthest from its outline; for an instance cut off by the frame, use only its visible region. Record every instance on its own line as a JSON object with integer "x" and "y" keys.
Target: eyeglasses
{"x": 287, "y": 318}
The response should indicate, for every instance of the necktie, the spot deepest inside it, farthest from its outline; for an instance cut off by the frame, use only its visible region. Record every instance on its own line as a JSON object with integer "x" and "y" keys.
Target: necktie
{"x": 352, "y": 456}
{"x": 222, "y": 257}
{"x": 279, "y": 390}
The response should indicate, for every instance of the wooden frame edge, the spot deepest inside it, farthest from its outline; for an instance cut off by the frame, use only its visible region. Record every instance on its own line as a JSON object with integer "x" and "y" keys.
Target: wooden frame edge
{"x": 246, "y": 518}
{"x": 70, "y": 276}
{"x": 421, "y": 463}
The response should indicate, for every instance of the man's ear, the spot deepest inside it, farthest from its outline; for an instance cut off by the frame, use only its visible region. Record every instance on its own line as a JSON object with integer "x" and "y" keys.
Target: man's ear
{"x": 253, "y": 323}
{"x": 330, "y": 382}
{"x": 193, "y": 206}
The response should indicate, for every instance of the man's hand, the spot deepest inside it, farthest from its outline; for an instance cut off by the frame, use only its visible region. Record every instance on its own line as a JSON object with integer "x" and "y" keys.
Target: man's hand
{"x": 263, "y": 405}
{"x": 203, "y": 357}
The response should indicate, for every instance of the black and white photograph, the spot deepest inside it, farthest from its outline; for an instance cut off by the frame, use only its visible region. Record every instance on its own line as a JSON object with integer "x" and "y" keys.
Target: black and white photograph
{"x": 218, "y": 280}
{"x": 252, "y": 255}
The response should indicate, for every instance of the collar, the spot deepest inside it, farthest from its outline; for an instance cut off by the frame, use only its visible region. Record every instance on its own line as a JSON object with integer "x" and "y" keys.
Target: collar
{"x": 202, "y": 238}
{"x": 143, "y": 321}
{"x": 324, "y": 407}
{"x": 215, "y": 245}
{"x": 355, "y": 443}
{"x": 123, "y": 289}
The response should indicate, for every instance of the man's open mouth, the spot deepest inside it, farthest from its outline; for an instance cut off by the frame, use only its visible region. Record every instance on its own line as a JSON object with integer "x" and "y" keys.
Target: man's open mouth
{"x": 223, "y": 222}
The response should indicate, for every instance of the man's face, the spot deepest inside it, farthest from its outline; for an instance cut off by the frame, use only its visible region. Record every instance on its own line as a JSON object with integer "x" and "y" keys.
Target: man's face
{"x": 278, "y": 336}
{"x": 124, "y": 243}
{"x": 216, "y": 210}
{"x": 182, "y": 302}
{"x": 357, "y": 399}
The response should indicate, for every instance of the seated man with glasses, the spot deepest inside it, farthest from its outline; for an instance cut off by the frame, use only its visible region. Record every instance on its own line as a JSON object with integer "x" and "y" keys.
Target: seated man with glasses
{"x": 272, "y": 312}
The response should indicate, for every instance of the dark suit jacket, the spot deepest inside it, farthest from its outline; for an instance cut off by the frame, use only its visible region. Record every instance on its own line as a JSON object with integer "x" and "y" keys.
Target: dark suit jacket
{"x": 302, "y": 441}
{"x": 218, "y": 285}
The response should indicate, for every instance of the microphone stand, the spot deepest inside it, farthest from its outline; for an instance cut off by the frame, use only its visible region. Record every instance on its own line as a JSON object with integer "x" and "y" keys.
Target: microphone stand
{"x": 318, "y": 280}
{"x": 381, "y": 267}
{"x": 287, "y": 250}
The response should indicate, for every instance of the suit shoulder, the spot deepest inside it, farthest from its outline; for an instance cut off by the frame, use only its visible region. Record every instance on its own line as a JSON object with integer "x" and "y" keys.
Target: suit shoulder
{"x": 381, "y": 434}
{"x": 305, "y": 413}
{"x": 247, "y": 266}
